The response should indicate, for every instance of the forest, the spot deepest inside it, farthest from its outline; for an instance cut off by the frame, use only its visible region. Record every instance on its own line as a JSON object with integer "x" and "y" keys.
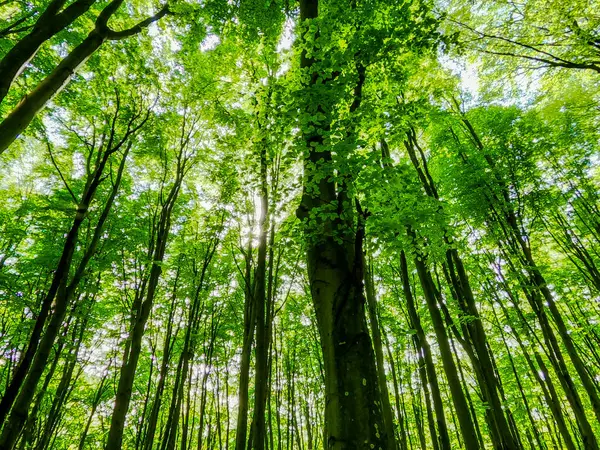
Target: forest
{"x": 299, "y": 224}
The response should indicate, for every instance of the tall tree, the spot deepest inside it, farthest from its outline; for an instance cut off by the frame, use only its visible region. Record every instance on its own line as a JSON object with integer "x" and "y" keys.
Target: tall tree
{"x": 335, "y": 268}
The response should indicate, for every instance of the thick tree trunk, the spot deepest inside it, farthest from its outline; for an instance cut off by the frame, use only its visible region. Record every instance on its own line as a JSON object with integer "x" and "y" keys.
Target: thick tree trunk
{"x": 20, "y": 117}
{"x": 48, "y": 24}
{"x": 353, "y": 417}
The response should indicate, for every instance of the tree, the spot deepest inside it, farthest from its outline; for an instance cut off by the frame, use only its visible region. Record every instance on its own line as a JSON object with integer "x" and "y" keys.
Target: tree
{"x": 336, "y": 224}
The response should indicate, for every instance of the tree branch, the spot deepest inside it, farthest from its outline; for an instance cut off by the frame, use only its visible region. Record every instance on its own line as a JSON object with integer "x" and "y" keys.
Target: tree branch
{"x": 116, "y": 35}
{"x": 10, "y": 29}
{"x": 60, "y": 173}
{"x": 554, "y": 61}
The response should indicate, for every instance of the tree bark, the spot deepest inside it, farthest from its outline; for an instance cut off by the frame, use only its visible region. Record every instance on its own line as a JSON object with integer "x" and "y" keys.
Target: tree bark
{"x": 49, "y": 23}
{"x": 353, "y": 416}
{"x": 22, "y": 115}
{"x": 61, "y": 292}
{"x": 427, "y": 369}
{"x": 386, "y": 407}
{"x": 134, "y": 348}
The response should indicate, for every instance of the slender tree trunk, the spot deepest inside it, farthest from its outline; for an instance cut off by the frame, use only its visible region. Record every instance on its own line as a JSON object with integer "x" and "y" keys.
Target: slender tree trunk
{"x": 95, "y": 403}
{"x": 418, "y": 413}
{"x": 248, "y": 338}
{"x": 400, "y": 411}
{"x": 132, "y": 355}
{"x": 546, "y": 384}
{"x": 474, "y": 335}
{"x": 22, "y": 115}
{"x": 142, "y": 428}
{"x": 558, "y": 362}
{"x": 20, "y": 118}
{"x": 435, "y": 441}
{"x": 164, "y": 367}
{"x": 61, "y": 292}
{"x": 65, "y": 385}
{"x": 183, "y": 372}
{"x": 262, "y": 307}
{"x": 519, "y": 384}
{"x": 458, "y": 397}
{"x": 27, "y": 437}
{"x": 425, "y": 358}
{"x": 503, "y": 212}
{"x": 208, "y": 355}
{"x": 278, "y": 394}
{"x": 386, "y": 407}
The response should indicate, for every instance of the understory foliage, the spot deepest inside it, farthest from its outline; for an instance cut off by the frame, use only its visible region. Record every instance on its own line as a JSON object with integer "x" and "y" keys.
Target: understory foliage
{"x": 324, "y": 224}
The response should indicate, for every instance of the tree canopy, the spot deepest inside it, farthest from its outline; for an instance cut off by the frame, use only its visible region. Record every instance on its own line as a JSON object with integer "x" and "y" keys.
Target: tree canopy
{"x": 323, "y": 224}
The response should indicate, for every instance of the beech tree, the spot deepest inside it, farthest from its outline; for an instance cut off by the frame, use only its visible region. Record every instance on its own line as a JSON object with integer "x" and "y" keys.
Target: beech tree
{"x": 329, "y": 224}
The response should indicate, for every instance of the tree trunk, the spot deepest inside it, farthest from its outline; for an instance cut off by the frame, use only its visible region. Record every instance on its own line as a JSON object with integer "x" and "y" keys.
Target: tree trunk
{"x": 458, "y": 397}
{"x": 503, "y": 213}
{"x": 386, "y": 407}
{"x": 262, "y": 311}
{"x": 95, "y": 402}
{"x": 61, "y": 292}
{"x": 546, "y": 384}
{"x": 248, "y": 337}
{"x": 425, "y": 358}
{"x": 164, "y": 368}
{"x": 474, "y": 334}
{"x": 65, "y": 385}
{"x": 22, "y": 115}
{"x": 132, "y": 354}
{"x": 400, "y": 411}
{"x": 519, "y": 384}
{"x": 187, "y": 353}
{"x": 353, "y": 417}
{"x": 48, "y": 24}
